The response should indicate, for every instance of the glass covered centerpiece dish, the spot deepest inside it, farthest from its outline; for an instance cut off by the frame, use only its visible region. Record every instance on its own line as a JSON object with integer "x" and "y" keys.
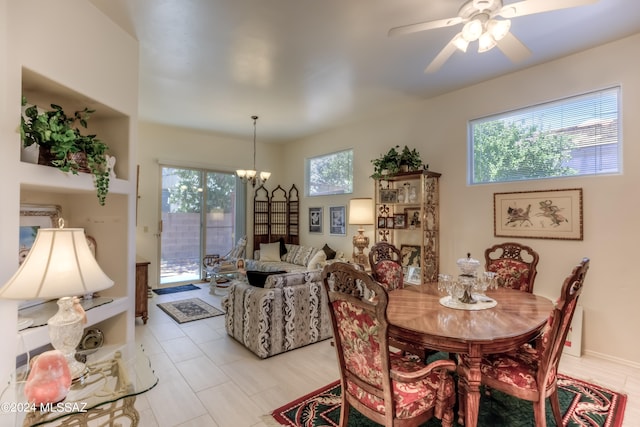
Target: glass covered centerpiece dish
{"x": 469, "y": 287}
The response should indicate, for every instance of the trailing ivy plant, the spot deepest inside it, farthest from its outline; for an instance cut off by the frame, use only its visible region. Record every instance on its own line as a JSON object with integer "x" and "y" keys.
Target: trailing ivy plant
{"x": 59, "y": 135}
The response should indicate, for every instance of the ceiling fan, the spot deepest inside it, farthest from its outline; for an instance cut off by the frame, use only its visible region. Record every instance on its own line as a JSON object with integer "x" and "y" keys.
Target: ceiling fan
{"x": 487, "y": 21}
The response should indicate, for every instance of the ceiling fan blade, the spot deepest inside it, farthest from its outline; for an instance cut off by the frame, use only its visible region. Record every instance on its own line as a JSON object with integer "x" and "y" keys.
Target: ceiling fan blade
{"x": 529, "y": 7}
{"x": 441, "y": 57}
{"x": 423, "y": 26}
{"x": 513, "y": 48}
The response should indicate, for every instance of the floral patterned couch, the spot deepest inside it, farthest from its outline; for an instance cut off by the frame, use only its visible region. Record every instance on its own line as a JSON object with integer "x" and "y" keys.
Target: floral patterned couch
{"x": 297, "y": 258}
{"x": 291, "y": 311}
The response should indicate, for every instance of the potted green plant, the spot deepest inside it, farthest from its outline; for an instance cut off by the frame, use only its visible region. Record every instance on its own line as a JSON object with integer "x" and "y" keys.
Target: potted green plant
{"x": 386, "y": 165}
{"x": 410, "y": 160}
{"x": 62, "y": 145}
{"x": 396, "y": 160}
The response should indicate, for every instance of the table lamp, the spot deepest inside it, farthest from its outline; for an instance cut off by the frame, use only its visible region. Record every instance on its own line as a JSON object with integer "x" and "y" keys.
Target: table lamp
{"x": 60, "y": 265}
{"x": 360, "y": 214}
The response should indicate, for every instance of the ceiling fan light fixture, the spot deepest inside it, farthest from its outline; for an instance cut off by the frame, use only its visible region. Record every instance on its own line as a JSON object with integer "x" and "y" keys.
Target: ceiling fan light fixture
{"x": 459, "y": 42}
{"x": 472, "y": 30}
{"x": 499, "y": 29}
{"x": 486, "y": 42}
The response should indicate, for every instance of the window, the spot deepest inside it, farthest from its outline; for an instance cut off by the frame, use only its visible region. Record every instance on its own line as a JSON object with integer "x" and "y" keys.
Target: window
{"x": 571, "y": 137}
{"x": 203, "y": 212}
{"x": 330, "y": 174}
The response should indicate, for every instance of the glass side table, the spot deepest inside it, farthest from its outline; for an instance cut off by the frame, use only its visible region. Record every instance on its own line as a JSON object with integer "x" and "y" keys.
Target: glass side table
{"x": 105, "y": 395}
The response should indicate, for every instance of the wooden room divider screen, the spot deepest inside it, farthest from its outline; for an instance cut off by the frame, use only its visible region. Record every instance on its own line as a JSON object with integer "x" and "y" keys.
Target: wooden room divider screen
{"x": 276, "y": 215}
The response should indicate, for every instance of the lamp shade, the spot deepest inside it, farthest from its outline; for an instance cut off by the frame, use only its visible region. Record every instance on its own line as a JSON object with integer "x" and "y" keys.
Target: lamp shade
{"x": 361, "y": 211}
{"x": 59, "y": 264}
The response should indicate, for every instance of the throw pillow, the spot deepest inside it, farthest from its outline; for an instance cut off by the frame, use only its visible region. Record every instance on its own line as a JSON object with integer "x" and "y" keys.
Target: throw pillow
{"x": 317, "y": 260}
{"x": 331, "y": 254}
{"x": 258, "y": 278}
{"x": 270, "y": 252}
{"x": 283, "y": 248}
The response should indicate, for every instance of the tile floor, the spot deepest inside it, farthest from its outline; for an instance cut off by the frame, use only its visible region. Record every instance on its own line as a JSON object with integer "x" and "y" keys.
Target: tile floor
{"x": 207, "y": 379}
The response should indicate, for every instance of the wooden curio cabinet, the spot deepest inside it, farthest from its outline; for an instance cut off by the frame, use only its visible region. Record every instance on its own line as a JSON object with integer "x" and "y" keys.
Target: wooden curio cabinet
{"x": 407, "y": 215}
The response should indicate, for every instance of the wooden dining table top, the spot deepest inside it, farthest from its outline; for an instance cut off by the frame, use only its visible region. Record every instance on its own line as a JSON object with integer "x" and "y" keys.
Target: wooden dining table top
{"x": 415, "y": 314}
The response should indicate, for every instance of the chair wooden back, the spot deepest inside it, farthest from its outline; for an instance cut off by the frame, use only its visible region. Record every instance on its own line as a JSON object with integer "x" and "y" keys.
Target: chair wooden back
{"x": 514, "y": 263}
{"x": 555, "y": 333}
{"x": 358, "y": 306}
{"x": 386, "y": 265}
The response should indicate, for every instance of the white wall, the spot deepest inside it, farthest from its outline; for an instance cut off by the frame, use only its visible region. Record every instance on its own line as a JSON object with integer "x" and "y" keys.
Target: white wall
{"x": 188, "y": 147}
{"x": 438, "y": 129}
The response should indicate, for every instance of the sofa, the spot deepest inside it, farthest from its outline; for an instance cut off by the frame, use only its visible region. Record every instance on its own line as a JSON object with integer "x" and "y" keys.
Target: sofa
{"x": 291, "y": 311}
{"x": 280, "y": 256}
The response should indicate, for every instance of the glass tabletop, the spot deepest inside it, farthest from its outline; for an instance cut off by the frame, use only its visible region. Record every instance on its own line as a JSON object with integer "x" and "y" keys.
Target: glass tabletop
{"x": 114, "y": 373}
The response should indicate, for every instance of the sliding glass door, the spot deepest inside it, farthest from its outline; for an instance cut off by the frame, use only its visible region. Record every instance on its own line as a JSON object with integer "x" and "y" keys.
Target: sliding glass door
{"x": 202, "y": 213}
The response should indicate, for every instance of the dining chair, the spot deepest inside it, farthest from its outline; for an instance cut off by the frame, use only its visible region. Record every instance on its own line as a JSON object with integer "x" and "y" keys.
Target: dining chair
{"x": 514, "y": 265}
{"x": 530, "y": 373}
{"x": 386, "y": 268}
{"x": 385, "y": 387}
{"x": 386, "y": 265}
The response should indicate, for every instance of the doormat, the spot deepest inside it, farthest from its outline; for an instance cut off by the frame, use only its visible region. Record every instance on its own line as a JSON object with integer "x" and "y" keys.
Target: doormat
{"x": 581, "y": 404}
{"x": 188, "y": 310}
{"x": 173, "y": 290}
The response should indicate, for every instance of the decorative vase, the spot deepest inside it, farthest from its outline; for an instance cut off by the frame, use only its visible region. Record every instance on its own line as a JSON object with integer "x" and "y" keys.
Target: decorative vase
{"x": 413, "y": 195}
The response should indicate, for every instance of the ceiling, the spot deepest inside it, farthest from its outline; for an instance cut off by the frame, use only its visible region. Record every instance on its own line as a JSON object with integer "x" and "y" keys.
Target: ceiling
{"x": 306, "y": 66}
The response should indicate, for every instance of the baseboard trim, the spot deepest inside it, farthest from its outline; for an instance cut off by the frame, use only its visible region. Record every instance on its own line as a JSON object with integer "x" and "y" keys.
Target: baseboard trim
{"x": 610, "y": 358}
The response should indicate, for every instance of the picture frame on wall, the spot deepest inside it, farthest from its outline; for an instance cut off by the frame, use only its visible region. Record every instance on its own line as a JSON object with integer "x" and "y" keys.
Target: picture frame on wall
{"x": 382, "y": 222}
{"x": 338, "y": 220}
{"x": 550, "y": 214}
{"x": 315, "y": 220}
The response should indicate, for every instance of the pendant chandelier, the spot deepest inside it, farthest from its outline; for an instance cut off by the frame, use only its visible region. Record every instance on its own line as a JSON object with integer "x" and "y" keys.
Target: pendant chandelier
{"x": 251, "y": 175}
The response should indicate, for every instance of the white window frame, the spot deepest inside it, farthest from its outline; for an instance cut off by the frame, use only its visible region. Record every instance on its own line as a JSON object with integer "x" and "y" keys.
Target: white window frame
{"x": 592, "y": 130}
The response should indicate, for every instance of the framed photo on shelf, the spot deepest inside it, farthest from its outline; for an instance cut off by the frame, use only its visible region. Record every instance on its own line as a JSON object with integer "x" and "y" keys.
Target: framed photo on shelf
{"x": 382, "y": 222}
{"x": 410, "y": 255}
{"x": 338, "y": 220}
{"x": 315, "y": 220}
{"x": 413, "y": 217}
{"x": 389, "y": 222}
{"x": 412, "y": 275}
{"x": 32, "y": 217}
{"x": 399, "y": 220}
{"x": 388, "y": 195}
{"x": 552, "y": 214}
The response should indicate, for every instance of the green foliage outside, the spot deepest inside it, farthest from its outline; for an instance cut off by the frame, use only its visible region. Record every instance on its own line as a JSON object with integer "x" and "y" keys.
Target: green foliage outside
{"x": 185, "y": 197}
{"x": 331, "y": 174}
{"x": 511, "y": 152}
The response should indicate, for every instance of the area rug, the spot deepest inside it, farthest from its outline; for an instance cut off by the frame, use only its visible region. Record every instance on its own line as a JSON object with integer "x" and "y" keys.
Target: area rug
{"x": 581, "y": 403}
{"x": 188, "y": 310}
{"x": 174, "y": 289}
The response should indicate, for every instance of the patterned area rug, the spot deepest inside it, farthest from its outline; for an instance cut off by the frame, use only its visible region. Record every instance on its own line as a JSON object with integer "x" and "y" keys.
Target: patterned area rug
{"x": 174, "y": 289}
{"x": 188, "y": 310}
{"x": 581, "y": 403}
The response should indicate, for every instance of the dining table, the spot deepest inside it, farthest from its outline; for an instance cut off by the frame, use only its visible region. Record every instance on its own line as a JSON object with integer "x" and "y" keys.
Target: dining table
{"x": 418, "y": 314}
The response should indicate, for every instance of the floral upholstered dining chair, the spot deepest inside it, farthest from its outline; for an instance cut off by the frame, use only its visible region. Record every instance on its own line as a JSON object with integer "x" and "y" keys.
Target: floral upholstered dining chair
{"x": 530, "y": 373}
{"x": 385, "y": 387}
{"x": 386, "y": 265}
{"x": 514, "y": 265}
